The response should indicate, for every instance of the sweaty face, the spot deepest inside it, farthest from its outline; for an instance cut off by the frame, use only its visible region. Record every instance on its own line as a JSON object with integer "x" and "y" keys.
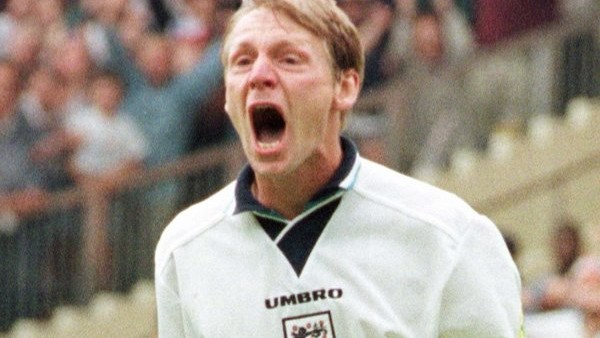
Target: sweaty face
{"x": 282, "y": 95}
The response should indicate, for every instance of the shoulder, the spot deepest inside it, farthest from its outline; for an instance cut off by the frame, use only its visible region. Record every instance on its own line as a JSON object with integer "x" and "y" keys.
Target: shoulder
{"x": 417, "y": 200}
{"x": 192, "y": 222}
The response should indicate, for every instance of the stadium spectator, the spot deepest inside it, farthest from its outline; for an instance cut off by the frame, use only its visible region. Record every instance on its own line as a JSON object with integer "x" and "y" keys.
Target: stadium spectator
{"x": 580, "y": 318}
{"x": 552, "y": 291}
{"x": 165, "y": 105}
{"x": 407, "y": 69}
{"x": 191, "y": 31}
{"x": 498, "y": 84}
{"x": 43, "y": 103}
{"x": 110, "y": 150}
{"x": 585, "y": 293}
{"x": 15, "y": 11}
{"x": 399, "y": 43}
{"x": 24, "y": 45}
{"x": 110, "y": 144}
{"x": 22, "y": 198}
{"x": 435, "y": 102}
{"x": 212, "y": 124}
{"x": 71, "y": 58}
{"x": 501, "y": 83}
{"x": 456, "y": 31}
{"x": 373, "y": 20}
{"x": 162, "y": 102}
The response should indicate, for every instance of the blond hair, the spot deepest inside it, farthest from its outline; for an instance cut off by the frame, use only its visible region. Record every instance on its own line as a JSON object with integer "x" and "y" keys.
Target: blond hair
{"x": 324, "y": 19}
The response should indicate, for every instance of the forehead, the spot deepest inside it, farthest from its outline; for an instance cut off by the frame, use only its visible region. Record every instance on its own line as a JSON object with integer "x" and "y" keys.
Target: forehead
{"x": 263, "y": 26}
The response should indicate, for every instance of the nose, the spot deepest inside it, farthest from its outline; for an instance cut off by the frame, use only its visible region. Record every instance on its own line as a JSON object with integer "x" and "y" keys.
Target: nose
{"x": 263, "y": 74}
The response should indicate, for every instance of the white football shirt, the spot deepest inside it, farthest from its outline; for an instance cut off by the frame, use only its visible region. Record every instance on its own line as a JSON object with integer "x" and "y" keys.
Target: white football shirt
{"x": 383, "y": 255}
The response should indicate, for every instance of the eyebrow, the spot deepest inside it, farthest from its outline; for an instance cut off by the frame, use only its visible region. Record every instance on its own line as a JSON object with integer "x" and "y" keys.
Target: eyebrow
{"x": 281, "y": 44}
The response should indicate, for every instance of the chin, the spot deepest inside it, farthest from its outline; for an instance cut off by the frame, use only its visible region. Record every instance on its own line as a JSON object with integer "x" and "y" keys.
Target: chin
{"x": 270, "y": 168}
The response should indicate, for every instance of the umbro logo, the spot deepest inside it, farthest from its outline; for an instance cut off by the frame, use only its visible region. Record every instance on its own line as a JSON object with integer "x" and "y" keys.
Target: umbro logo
{"x": 303, "y": 297}
{"x": 315, "y": 325}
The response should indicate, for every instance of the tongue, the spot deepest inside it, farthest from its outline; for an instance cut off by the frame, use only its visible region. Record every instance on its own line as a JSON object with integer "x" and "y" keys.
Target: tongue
{"x": 267, "y": 135}
{"x": 269, "y": 126}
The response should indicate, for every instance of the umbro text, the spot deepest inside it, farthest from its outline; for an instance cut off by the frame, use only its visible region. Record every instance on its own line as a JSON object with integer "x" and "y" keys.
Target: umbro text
{"x": 303, "y": 297}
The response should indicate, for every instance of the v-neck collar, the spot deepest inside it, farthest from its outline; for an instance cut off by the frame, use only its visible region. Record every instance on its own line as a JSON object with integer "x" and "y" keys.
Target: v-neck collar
{"x": 341, "y": 179}
{"x": 297, "y": 238}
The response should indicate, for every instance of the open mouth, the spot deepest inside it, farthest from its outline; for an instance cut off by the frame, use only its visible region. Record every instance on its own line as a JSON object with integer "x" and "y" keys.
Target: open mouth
{"x": 269, "y": 126}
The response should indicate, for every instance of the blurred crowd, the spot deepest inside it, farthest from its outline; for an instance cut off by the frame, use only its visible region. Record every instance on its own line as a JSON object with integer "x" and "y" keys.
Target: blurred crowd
{"x": 449, "y": 81}
{"x": 565, "y": 300}
{"x": 92, "y": 91}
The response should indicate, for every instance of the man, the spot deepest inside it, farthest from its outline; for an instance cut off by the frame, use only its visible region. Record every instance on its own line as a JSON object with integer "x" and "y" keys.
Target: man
{"x": 585, "y": 293}
{"x": 436, "y": 110}
{"x": 165, "y": 105}
{"x": 22, "y": 201}
{"x": 312, "y": 240}
{"x": 580, "y": 314}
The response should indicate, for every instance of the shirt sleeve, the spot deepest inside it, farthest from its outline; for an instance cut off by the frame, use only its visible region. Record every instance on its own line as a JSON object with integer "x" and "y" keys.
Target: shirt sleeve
{"x": 482, "y": 297}
{"x": 170, "y": 313}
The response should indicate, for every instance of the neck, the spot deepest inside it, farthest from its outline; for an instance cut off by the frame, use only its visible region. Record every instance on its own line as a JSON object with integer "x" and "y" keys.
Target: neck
{"x": 289, "y": 193}
{"x": 592, "y": 324}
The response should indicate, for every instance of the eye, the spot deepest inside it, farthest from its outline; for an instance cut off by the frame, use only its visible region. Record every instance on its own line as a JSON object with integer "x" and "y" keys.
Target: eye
{"x": 291, "y": 59}
{"x": 242, "y": 60}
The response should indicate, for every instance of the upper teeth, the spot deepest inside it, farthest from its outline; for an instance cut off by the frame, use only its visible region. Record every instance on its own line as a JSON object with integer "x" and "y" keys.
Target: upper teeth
{"x": 263, "y": 106}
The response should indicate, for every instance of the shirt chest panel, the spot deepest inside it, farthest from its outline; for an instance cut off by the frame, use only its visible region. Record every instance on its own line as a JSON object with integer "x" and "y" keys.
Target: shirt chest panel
{"x": 369, "y": 282}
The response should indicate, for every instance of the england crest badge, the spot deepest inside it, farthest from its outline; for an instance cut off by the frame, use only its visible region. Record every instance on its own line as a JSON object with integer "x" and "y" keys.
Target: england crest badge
{"x": 315, "y": 325}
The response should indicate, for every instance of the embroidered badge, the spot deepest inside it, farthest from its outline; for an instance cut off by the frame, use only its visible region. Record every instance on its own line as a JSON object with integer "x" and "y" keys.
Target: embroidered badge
{"x": 315, "y": 325}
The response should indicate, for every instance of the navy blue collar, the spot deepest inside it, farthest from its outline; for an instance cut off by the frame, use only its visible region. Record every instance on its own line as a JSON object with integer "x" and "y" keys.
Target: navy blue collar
{"x": 245, "y": 201}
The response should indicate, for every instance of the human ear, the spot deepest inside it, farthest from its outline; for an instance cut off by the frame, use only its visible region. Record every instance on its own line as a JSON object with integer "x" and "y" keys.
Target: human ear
{"x": 347, "y": 90}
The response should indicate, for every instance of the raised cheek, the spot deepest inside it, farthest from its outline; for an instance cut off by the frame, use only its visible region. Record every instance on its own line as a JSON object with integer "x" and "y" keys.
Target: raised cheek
{"x": 232, "y": 108}
{"x": 316, "y": 91}
{"x": 232, "y": 93}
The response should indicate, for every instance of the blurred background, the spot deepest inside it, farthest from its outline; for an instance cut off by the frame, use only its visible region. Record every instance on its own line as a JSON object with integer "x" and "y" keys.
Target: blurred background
{"x": 111, "y": 121}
